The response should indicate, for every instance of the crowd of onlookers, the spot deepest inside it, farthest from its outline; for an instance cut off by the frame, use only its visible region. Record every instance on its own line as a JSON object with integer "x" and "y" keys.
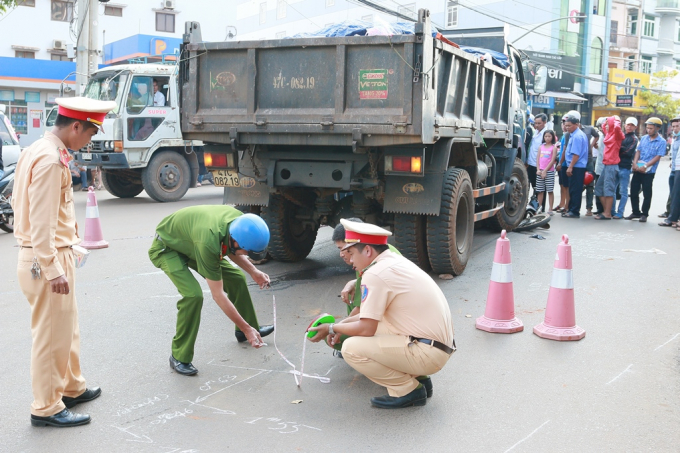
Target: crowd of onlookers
{"x": 601, "y": 160}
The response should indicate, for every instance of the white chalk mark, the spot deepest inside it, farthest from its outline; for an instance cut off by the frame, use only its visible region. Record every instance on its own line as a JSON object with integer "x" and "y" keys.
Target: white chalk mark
{"x": 532, "y": 433}
{"x": 322, "y": 378}
{"x": 620, "y": 374}
{"x": 662, "y": 345}
{"x": 217, "y": 411}
{"x": 164, "y": 296}
{"x": 143, "y": 438}
{"x": 151, "y": 273}
{"x": 200, "y": 399}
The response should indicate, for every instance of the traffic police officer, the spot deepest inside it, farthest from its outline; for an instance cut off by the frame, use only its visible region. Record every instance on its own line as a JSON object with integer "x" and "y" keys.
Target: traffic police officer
{"x": 45, "y": 228}
{"x": 404, "y": 330}
{"x": 199, "y": 237}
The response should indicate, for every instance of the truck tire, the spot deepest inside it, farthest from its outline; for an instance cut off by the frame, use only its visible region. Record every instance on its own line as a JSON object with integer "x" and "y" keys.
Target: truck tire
{"x": 167, "y": 177}
{"x": 120, "y": 187}
{"x": 449, "y": 235}
{"x": 515, "y": 206}
{"x": 290, "y": 241}
{"x": 410, "y": 238}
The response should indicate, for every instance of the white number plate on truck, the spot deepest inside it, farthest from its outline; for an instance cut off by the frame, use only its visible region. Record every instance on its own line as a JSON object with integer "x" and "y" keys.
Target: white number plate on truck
{"x": 225, "y": 178}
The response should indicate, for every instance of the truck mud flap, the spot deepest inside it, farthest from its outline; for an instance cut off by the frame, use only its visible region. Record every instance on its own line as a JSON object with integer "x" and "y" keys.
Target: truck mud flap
{"x": 409, "y": 195}
{"x": 251, "y": 193}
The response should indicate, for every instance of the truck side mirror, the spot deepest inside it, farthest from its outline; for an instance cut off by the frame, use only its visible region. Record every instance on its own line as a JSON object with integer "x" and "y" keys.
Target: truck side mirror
{"x": 541, "y": 80}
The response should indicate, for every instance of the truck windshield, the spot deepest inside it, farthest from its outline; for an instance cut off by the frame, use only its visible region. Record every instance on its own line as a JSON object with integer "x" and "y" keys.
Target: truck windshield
{"x": 107, "y": 87}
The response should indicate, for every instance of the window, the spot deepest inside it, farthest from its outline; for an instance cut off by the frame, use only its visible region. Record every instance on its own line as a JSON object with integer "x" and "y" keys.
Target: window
{"x": 677, "y": 31}
{"x": 613, "y": 31}
{"x": 280, "y": 35}
{"x": 677, "y": 64}
{"x": 263, "y": 12}
{"x": 113, "y": 11}
{"x": 59, "y": 57}
{"x": 368, "y": 18}
{"x": 32, "y": 96}
{"x": 648, "y": 27}
{"x": 451, "y": 13}
{"x": 24, "y": 54}
{"x": 330, "y": 3}
{"x": 62, "y": 11}
{"x": 631, "y": 63}
{"x": 646, "y": 65}
{"x": 631, "y": 25}
{"x": 600, "y": 7}
{"x": 26, "y": 3}
{"x": 6, "y": 95}
{"x": 165, "y": 22}
{"x": 596, "y": 56}
{"x": 408, "y": 10}
{"x": 281, "y": 9}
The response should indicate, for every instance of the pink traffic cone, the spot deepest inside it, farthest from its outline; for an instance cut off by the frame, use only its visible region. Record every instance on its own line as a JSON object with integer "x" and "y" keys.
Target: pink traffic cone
{"x": 560, "y": 316}
{"x": 499, "y": 316}
{"x": 94, "y": 239}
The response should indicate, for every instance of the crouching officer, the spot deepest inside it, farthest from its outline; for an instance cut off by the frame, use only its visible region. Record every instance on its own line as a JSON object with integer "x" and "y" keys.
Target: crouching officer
{"x": 45, "y": 228}
{"x": 404, "y": 331}
{"x": 199, "y": 237}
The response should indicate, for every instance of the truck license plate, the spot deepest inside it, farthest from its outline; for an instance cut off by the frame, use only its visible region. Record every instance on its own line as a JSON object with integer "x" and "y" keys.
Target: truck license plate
{"x": 225, "y": 178}
{"x": 87, "y": 156}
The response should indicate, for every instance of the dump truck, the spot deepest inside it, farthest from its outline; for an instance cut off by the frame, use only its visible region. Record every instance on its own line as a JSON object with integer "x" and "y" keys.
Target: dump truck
{"x": 405, "y": 131}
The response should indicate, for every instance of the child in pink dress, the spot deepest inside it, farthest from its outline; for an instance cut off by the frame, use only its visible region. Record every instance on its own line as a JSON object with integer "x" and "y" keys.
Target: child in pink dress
{"x": 545, "y": 176}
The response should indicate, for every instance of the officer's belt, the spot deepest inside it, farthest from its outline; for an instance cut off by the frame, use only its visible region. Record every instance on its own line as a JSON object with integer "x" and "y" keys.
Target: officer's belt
{"x": 435, "y": 343}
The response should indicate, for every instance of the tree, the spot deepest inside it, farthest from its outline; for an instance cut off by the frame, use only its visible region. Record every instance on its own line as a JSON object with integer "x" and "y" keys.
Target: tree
{"x": 7, "y": 4}
{"x": 661, "y": 103}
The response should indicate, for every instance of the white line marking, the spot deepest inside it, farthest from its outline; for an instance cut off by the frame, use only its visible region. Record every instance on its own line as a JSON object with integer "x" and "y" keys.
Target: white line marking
{"x": 620, "y": 374}
{"x": 532, "y": 433}
{"x": 200, "y": 399}
{"x": 661, "y": 346}
{"x": 152, "y": 273}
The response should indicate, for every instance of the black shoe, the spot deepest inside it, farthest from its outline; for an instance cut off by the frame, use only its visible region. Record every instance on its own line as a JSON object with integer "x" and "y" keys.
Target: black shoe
{"x": 264, "y": 331}
{"x": 633, "y": 216}
{"x": 87, "y": 395}
{"x": 186, "y": 369}
{"x": 427, "y": 383}
{"x": 418, "y": 397}
{"x": 337, "y": 354}
{"x": 63, "y": 419}
{"x": 643, "y": 219}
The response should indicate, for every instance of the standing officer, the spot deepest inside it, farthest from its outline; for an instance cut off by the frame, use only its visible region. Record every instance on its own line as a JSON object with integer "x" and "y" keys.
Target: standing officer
{"x": 45, "y": 228}
{"x": 404, "y": 330}
{"x": 199, "y": 237}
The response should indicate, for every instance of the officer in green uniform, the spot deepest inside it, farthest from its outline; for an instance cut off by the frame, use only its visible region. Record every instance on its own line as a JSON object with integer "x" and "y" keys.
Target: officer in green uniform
{"x": 200, "y": 237}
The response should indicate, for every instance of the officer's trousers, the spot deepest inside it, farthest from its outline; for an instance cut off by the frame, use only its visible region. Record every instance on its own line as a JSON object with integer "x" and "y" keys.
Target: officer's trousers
{"x": 55, "y": 353}
{"x": 391, "y": 360}
{"x": 176, "y": 267}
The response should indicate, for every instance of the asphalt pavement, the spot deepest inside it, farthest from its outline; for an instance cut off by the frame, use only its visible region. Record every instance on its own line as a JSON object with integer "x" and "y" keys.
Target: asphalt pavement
{"x": 616, "y": 390}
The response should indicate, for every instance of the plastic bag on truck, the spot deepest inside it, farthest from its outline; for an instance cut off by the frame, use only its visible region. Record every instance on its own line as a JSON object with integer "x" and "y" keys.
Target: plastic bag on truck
{"x": 499, "y": 59}
{"x": 360, "y": 28}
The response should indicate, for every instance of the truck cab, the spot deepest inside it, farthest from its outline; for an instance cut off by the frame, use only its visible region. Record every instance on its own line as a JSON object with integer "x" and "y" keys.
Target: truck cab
{"x": 141, "y": 147}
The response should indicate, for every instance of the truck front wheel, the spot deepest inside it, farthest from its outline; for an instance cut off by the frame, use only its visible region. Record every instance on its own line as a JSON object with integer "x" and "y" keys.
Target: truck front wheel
{"x": 168, "y": 176}
{"x": 120, "y": 186}
{"x": 514, "y": 210}
{"x": 449, "y": 235}
{"x": 291, "y": 240}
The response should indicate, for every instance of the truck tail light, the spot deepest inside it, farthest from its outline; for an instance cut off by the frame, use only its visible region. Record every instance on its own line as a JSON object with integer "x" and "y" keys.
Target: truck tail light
{"x": 404, "y": 164}
{"x": 118, "y": 146}
{"x": 218, "y": 160}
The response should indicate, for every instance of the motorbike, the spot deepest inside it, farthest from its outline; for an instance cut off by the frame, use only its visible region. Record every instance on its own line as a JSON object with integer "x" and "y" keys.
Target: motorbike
{"x": 6, "y": 211}
{"x": 534, "y": 218}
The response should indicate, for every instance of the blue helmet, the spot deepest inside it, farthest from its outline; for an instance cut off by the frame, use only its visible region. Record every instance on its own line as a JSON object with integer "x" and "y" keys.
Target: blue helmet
{"x": 251, "y": 232}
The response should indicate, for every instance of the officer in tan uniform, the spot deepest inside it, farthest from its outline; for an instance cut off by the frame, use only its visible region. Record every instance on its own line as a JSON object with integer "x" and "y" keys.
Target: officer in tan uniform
{"x": 45, "y": 228}
{"x": 404, "y": 331}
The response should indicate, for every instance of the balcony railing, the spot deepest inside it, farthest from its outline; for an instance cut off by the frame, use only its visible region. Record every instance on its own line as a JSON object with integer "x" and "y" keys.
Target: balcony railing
{"x": 668, "y": 6}
{"x": 624, "y": 41}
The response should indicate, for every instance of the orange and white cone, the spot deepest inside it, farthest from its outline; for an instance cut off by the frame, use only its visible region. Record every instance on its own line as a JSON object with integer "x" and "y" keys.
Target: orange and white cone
{"x": 560, "y": 314}
{"x": 94, "y": 239}
{"x": 499, "y": 315}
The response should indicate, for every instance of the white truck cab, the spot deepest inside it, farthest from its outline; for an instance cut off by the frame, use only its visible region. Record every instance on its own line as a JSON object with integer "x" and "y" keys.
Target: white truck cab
{"x": 10, "y": 141}
{"x": 141, "y": 147}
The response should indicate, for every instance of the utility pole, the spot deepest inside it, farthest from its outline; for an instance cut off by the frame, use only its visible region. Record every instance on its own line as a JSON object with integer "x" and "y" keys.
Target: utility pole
{"x": 87, "y": 47}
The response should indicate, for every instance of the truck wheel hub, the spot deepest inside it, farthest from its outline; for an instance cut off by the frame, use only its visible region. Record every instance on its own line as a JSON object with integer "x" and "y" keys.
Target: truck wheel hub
{"x": 169, "y": 176}
{"x": 515, "y": 195}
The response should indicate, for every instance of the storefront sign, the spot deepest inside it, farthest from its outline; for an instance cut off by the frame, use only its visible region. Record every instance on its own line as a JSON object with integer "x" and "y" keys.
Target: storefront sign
{"x": 627, "y": 85}
{"x": 624, "y": 100}
{"x": 543, "y": 102}
{"x": 560, "y": 69}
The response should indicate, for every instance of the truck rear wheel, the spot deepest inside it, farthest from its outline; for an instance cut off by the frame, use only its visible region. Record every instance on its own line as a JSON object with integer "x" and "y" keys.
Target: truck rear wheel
{"x": 410, "y": 238}
{"x": 290, "y": 239}
{"x": 514, "y": 210}
{"x": 449, "y": 235}
{"x": 168, "y": 176}
{"x": 119, "y": 186}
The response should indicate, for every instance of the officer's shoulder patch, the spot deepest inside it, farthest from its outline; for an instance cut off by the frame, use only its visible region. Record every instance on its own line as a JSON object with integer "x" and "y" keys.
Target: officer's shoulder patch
{"x": 364, "y": 292}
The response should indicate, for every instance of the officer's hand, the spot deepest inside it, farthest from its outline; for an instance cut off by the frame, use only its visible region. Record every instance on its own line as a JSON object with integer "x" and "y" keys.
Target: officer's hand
{"x": 332, "y": 340}
{"x": 261, "y": 279}
{"x": 347, "y": 293}
{"x": 254, "y": 338}
{"x": 59, "y": 285}
{"x": 321, "y": 332}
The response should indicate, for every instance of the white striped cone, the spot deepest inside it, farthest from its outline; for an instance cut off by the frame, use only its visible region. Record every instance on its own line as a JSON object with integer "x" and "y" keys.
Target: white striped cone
{"x": 94, "y": 239}
{"x": 560, "y": 315}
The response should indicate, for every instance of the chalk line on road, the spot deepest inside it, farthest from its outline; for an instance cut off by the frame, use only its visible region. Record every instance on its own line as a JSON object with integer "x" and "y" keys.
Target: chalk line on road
{"x": 662, "y": 345}
{"x": 531, "y": 434}
{"x": 620, "y": 374}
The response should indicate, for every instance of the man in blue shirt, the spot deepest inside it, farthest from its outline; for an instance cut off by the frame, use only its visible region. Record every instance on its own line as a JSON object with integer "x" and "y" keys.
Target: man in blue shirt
{"x": 576, "y": 159}
{"x": 650, "y": 150}
{"x": 674, "y": 136}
